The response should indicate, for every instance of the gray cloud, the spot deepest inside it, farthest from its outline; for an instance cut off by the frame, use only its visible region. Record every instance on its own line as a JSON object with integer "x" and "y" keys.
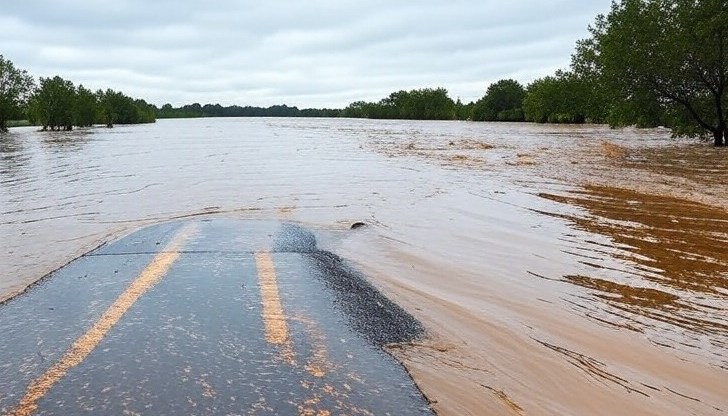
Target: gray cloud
{"x": 314, "y": 53}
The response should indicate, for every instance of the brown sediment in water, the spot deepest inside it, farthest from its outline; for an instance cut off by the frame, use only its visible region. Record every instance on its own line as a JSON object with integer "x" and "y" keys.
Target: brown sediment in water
{"x": 678, "y": 243}
{"x": 689, "y": 171}
{"x": 549, "y": 364}
{"x": 641, "y": 319}
{"x": 458, "y": 152}
{"x": 672, "y": 267}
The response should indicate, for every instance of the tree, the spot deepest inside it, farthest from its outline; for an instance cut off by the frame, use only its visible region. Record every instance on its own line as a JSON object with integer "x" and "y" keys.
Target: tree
{"x": 85, "y": 107}
{"x": 502, "y": 102}
{"x": 544, "y": 102}
{"x": 663, "y": 59}
{"x": 419, "y": 104}
{"x": 145, "y": 112}
{"x": 117, "y": 108}
{"x": 53, "y": 103}
{"x": 104, "y": 110}
{"x": 57, "y": 104}
{"x": 16, "y": 86}
{"x": 357, "y": 109}
{"x": 435, "y": 104}
{"x": 463, "y": 111}
{"x": 563, "y": 98}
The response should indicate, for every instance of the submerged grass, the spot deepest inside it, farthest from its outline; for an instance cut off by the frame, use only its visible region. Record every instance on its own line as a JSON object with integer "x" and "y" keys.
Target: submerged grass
{"x": 19, "y": 123}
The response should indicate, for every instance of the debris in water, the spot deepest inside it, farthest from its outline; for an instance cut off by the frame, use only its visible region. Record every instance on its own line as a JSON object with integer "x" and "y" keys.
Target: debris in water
{"x": 357, "y": 225}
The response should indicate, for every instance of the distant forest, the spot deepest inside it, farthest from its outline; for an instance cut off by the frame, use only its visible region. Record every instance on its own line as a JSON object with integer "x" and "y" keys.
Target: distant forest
{"x": 216, "y": 110}
{"x": 501, "y": 103}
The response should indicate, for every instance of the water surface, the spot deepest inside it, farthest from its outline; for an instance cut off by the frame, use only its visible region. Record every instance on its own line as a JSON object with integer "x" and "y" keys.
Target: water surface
{"x": 554, "y": 267}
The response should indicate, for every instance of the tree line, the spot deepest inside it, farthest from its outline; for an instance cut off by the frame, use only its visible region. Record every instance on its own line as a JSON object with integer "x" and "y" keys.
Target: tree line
{"x": 57, "y": 104}
{"x": 646, "y": 63}
{"x": 502, "y": 102}
{"x": 216, "y": 110}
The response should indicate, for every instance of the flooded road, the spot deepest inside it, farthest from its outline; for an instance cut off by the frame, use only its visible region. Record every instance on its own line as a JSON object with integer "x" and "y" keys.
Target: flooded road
{"x": 213, "y": 317}
{"x": 558, "y": 269}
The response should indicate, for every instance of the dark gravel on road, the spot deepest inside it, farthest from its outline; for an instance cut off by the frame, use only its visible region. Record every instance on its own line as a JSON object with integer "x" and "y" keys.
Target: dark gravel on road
{"x": 370, "y": 313}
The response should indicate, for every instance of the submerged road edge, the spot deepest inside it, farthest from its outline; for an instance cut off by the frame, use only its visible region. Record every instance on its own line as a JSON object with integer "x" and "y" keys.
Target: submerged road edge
{"x": 85, "y": 344}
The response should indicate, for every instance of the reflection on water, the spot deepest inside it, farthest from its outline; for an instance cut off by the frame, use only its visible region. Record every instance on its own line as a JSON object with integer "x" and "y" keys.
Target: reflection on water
{"x": 13, "y": 158}
{"x": 67, "y": 141}
{"x": 666, "y": 264}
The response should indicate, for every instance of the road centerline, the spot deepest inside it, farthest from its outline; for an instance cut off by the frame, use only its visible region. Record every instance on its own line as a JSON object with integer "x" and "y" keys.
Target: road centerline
{"x": 85, "y": 344}
{"x": 274, "y": 319}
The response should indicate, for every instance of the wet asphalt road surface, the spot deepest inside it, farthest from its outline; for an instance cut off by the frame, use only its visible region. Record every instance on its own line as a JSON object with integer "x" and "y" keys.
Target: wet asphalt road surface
{"x": 210, "y": 317}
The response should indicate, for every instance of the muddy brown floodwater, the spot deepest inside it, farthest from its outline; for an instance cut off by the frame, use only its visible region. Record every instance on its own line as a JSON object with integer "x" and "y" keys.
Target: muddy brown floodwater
{"x": 558, "y": 269}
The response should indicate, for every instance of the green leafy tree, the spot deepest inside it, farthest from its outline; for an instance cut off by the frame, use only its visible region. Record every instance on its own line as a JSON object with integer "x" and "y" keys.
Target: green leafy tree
{"x": 563, "y": 98}
{"x": 662, "y": 60}
{"x": 167, "y": 111}
{"x": 543, "y": 101}
{"x": 418, "y": 104}
{"x": 53, "y": 103}
{"x": 463, "y": 111}
{"x": 117, "y": 108}
{"x": 85, "y": 107}
{"x": 16, "y": 86}
{"x": 357, "y": 109}
{"x": 56, "y": 104}
{"x": 435, "y": 104}
{"x": 104, "y": 110}
{"x": 503, "y": 101}
{"x": 146, "y": 113}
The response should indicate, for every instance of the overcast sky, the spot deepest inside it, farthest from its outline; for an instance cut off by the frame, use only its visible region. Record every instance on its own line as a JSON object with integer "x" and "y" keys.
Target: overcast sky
{"x": 312, "y": 53}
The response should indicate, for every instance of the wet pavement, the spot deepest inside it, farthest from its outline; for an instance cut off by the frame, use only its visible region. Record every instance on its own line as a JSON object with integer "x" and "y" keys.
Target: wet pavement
{"x": 206, "y": 317}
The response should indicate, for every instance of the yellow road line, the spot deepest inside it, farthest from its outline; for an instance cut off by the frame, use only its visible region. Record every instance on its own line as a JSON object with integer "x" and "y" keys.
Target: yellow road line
{"x": 317, "y": 362}
{"x": 82, "y": 347}
{"x": 277, "y": 333}
{"x": 274, "y": 320}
